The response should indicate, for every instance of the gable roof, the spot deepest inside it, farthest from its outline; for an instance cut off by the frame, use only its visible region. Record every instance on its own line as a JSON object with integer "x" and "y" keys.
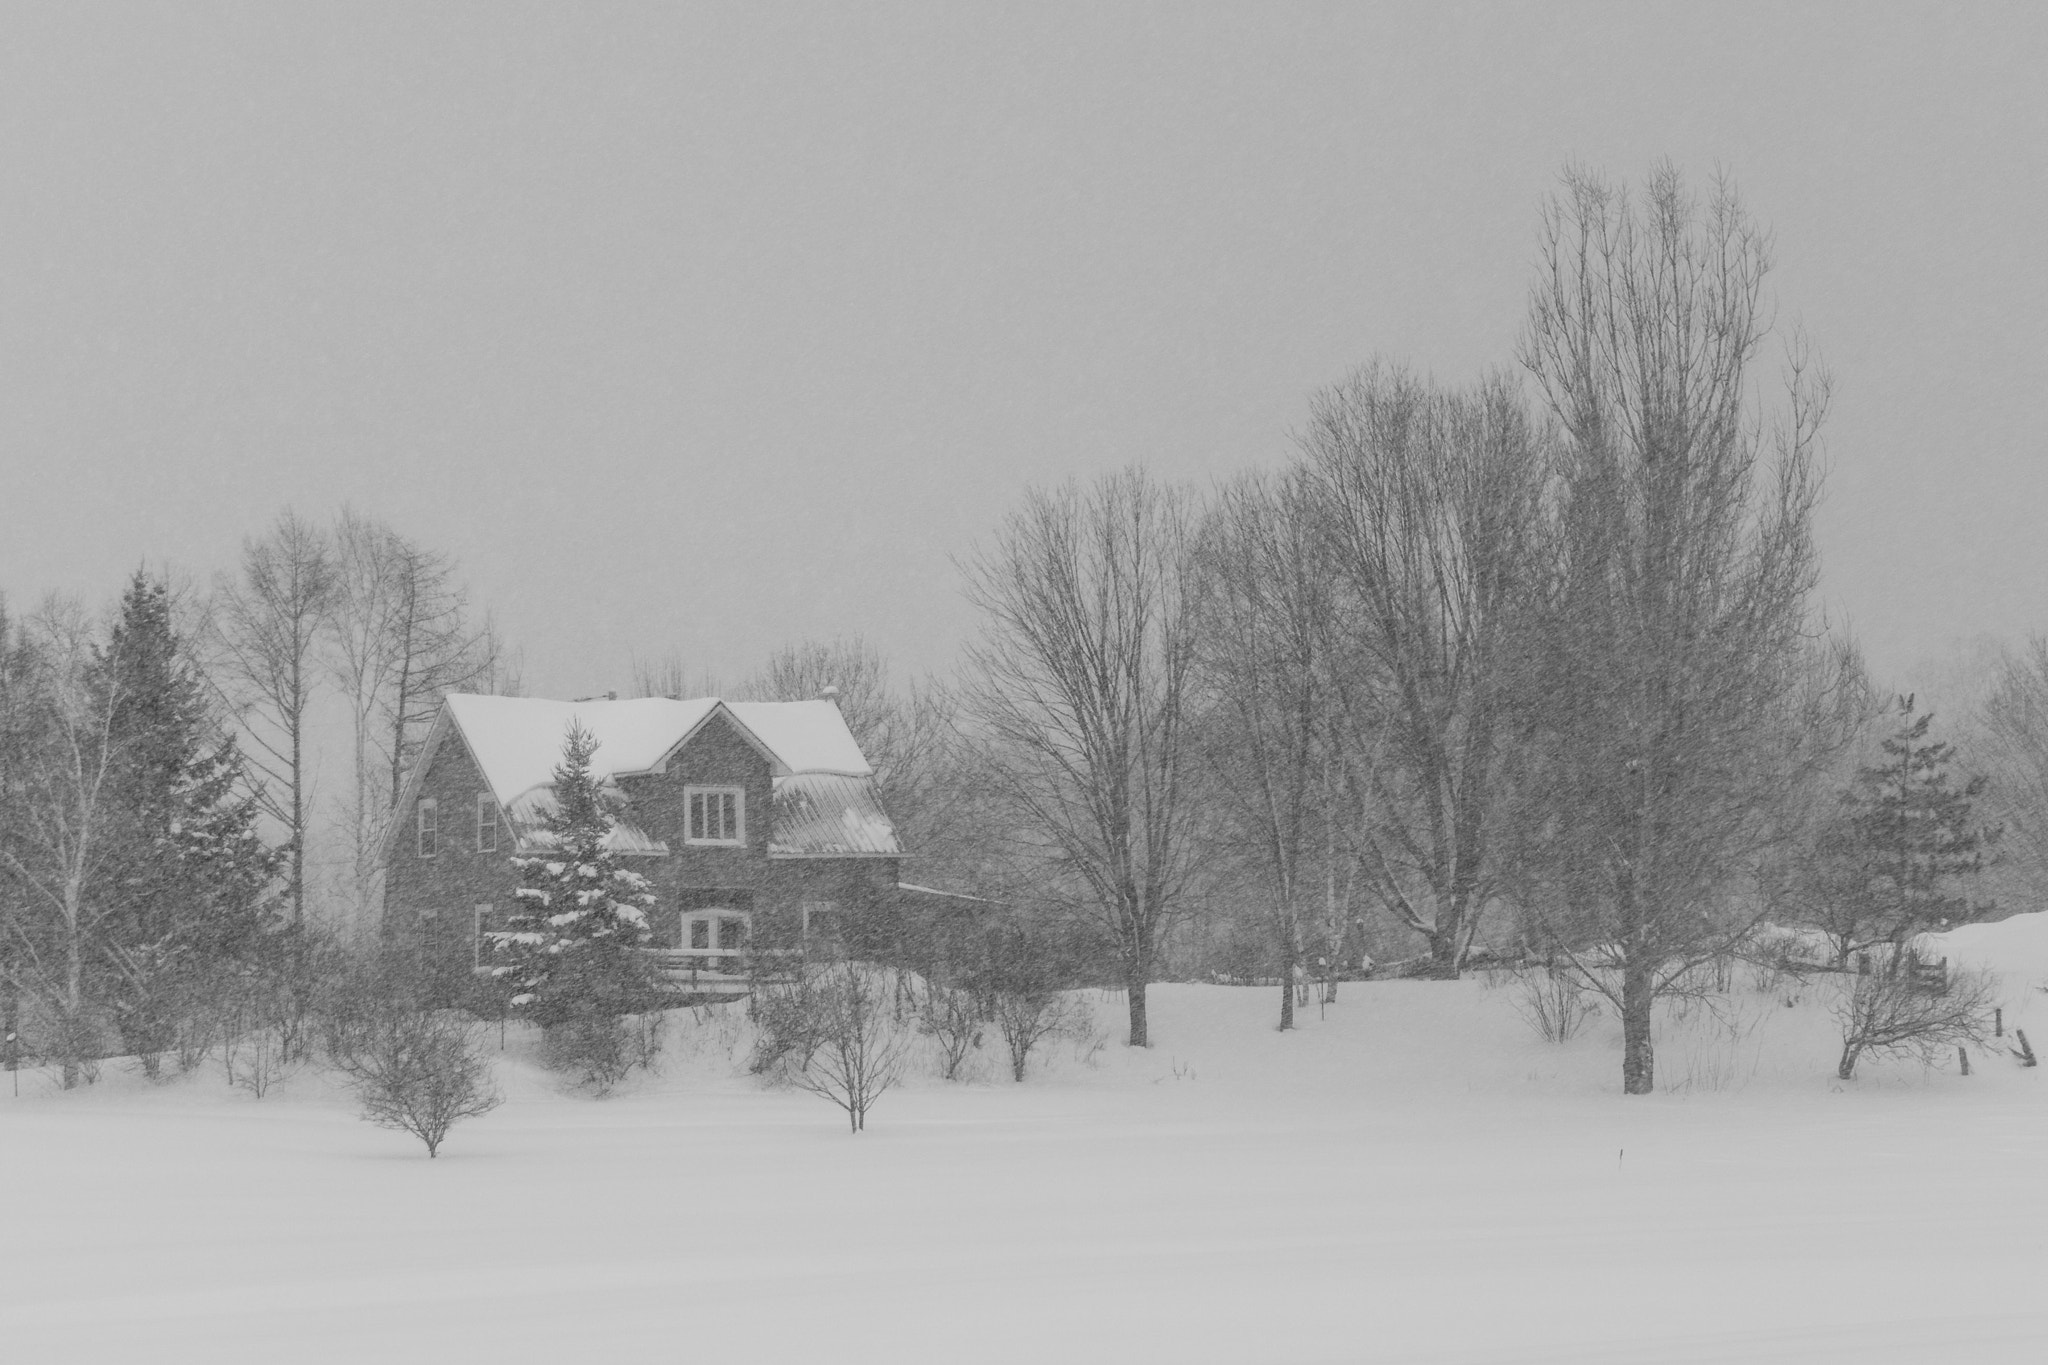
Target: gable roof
{"x": 517, "y": 741}
{"x": 830, "y": 809}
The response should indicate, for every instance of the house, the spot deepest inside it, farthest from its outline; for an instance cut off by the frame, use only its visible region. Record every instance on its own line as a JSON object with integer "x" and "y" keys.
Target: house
{"x": 759, "y": 825}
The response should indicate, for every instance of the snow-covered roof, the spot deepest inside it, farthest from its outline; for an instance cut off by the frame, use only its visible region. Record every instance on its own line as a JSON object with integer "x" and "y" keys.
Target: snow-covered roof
{"x": 517, "y": 741}
{"x": 529, "y": 811}
{"x": 827, "y": 815}
{"x": 808, "y": 736}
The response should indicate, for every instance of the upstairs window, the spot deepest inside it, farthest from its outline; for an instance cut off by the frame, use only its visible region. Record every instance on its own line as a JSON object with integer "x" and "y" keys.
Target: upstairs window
{"x": 715, "y": 815}
{"x": 429, "y": 827}
{"x": 486, "y": 823}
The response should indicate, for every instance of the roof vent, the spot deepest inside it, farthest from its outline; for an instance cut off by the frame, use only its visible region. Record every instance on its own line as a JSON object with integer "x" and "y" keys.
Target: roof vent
{"x": 829, "y": 693}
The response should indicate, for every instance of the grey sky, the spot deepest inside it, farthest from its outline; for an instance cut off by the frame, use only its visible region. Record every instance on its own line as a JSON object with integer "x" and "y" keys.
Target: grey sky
{"x": 705, "y": 328}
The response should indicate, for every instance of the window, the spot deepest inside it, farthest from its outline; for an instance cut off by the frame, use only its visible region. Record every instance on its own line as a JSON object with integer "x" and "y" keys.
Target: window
{"x": 721, "y": 933}
{"x": 430, "y": 827}
{"x": 821, "y": 921}
{"x": 486, "y": 925}
{"x": 486, "y": 823}
{"x": 715, "y": 815}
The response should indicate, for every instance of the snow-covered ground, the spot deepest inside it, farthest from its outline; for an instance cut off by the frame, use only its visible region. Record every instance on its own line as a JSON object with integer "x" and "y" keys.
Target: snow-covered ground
{"x": 1414, "y": 1177}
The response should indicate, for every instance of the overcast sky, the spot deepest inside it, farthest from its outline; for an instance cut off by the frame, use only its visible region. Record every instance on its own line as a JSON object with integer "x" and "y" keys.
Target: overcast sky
{"x": 703, "y": 328}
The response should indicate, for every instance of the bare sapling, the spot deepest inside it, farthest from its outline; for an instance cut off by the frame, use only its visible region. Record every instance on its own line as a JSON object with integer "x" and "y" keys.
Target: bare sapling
{"x": 1891, "y": 1014}
{"x": 861, "y": 1042}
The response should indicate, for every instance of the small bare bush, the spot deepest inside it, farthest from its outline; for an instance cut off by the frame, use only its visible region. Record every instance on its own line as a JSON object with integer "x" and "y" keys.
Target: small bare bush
{"x": 1554, "y": 1001}
{"x": 419, "y": 1071}
{"x": 1026, "y": 1018}
{"x": 954, "y": 1020}
{"x": 1888, "y": 1014}
{"x": 600, "y": 1050}
{"x": 785, "y": 1025}
{"x": 258, "y": 1060}
{"x": 860, "y": 1041}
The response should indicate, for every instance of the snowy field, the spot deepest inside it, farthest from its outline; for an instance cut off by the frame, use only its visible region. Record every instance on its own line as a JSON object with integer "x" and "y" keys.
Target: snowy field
{"x": 1414, "y": 1177}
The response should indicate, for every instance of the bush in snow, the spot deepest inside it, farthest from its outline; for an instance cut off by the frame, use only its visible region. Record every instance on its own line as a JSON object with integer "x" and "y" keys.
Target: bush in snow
{"x": 786, "y": 1027}
{"x": 567, "y": 957}
{"x": 1553, "y": 1002}
{"x": 601, "y": 1049}
{"x": 954, "y": 1020}
{"x": 1023, "y": 979}
{"x": 1890, "y": 1013}
{"x": 418, "y": 1070}
{"x": 845, "y": 1040}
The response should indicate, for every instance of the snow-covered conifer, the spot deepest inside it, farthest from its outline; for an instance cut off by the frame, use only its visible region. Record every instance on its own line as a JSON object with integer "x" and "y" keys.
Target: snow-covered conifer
{"x": 568, "y": 949}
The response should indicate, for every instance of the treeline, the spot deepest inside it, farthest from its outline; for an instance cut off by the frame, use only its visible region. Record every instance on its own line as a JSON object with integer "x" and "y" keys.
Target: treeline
{"x": 1532, "y": 664}
{"x": 156, "y": 810}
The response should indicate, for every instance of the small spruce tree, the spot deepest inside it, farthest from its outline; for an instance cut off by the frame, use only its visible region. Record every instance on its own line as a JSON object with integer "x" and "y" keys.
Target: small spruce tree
{"x": 567, "y": 952}
{"x": 1896, "y": 859}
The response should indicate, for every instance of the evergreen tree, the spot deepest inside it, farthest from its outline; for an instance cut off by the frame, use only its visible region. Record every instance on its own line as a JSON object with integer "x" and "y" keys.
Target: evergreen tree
{"x": 187, "y": 881}
{"x": 567, "y": 952}
{"x": 1889, "y": 865}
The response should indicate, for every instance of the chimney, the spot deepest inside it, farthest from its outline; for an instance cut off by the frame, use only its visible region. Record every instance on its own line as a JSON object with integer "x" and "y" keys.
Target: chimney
{"x": 829, "y": 693}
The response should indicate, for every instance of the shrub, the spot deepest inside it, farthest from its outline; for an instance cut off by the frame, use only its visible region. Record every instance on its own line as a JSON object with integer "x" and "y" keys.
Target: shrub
{"x": 858, "y": 1040}
{"x": 419, "y": 1071}
{"x": 1888, "y": 1013}
{"x": 786, "y": 1027}
{"x": 1553, "y": 1002}
{"x": 954, "y": 1019}
{"x": 601, "y": 1049}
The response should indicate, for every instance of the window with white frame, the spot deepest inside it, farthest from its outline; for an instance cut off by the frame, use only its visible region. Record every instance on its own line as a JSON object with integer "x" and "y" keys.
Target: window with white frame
{"x": 715, "y": 932}
{"x": 715, "y": 815}
{"x": 486, "y": 823}
{"x": 429, "y": 827}
{"x": 486, "y": 925}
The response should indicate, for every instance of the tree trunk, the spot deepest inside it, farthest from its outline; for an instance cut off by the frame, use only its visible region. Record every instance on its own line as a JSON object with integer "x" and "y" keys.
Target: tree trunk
{"x": 1290, "y": 960}
{"x": 74, "y": 986}
{"x": 298, "y": 831}
{"x": 1847, "y": 1070}
{"x": 1134, "y": 986}
{"x": 1638, "y": 1062}
{"x": 1446, "y": 958}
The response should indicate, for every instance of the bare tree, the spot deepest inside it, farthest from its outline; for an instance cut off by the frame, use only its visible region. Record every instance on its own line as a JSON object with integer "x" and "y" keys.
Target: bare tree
{"x": 1678, "y": 684}
{"x": 64, "y": 808}
{"x": 2012, "y": 726}
{"x": 1080, "y": 698}
{"x": 859, "y": 1043}
{"x": 400, "y": 639}
{"x": 1263, "y": 616}
{"x": 669, "y": 676}
{"x": 266, "y": 627}
{"x": 1428, "y": 508}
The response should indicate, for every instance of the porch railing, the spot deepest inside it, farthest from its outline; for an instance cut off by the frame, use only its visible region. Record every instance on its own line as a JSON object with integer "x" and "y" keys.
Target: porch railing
{"x": 692, "y": 967}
